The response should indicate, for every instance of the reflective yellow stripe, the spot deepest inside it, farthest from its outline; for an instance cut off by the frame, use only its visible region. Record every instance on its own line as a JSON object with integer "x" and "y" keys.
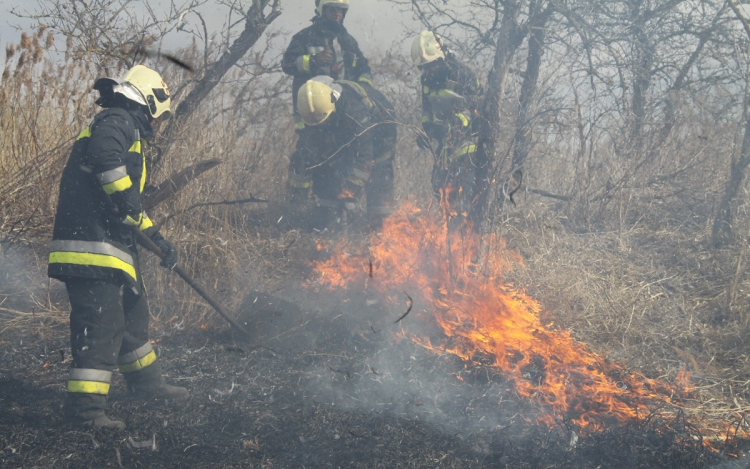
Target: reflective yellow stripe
{"x": 426, "y": 118}
{"x": 112, "y": 175}
{"x": 132, "y": 221}
{"x": 463, "y": 151}
{"x": 85, "y": 133}
{"x": 135, "y": 147}
{"x": 365, "y": 80}
{"x": 356, "y": 182}
{"x": 384, "y": 157}
{"x": 464, "y": 119}
{"x": 143, "y": 174}
{"x": 299, "y": 125}
{"x": 139, "y": 364}
{"x": 448, "y": 93}
{"x": 118, "y": 186}
{"x": 96, "y": 247}
{"x": 88, "y": 387}
{"x": 306, "y": 63}
{"x": 146, "y": 223}
{"x": 299, "y": 184}
{"x": 140, "y": 352}
{"x": 426, "y": 90}
{"x": 97, "y": 260}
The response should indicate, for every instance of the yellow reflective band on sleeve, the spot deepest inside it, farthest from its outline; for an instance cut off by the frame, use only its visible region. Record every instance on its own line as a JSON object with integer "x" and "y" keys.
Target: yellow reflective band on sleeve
{"x": 354, "y": 62}
{"x": 97, "y": 260}
{"x": 146, "y": 223}
{"x": 139, "y": 364}
{"x": 135, "y": 147}
{"x": 118, "y": 186}
{"x": 132, "y": 221}
{"x": 426, "y": 89}
{"x": 88, "y": 387}
{"x": 464, "y": 119}
{"x": 299, "y": 125}
{"x": 365, "y": 80}
{"x": 306, "y": 63}
{"x": 426, "y": 118}
{"x": 85, "y": 133}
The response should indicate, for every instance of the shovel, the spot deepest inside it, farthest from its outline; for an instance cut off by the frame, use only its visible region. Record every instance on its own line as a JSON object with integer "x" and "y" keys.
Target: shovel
{"x": 146, "y": 241}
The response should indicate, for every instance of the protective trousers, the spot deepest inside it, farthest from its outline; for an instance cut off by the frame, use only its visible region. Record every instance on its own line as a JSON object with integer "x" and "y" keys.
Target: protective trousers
{"x": 108, "y": 327}
{"x": 299, "y": 178}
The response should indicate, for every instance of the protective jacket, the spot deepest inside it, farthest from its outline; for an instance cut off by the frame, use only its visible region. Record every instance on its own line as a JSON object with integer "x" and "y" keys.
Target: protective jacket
{"x": 348, "y": 61}
{"x": 100, "y": 195}
{"x": 449, "y": 103}
{"x": 351, "y": 151}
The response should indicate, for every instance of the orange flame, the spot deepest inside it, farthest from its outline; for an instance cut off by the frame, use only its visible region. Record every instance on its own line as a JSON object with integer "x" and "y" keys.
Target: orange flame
{"x": 486, "y": 320}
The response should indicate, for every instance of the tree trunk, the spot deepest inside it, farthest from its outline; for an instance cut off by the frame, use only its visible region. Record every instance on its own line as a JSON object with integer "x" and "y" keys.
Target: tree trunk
{"x": 508, "y": 41}
{"x": 722, "y": 232}
{"x": 522, "y": 138}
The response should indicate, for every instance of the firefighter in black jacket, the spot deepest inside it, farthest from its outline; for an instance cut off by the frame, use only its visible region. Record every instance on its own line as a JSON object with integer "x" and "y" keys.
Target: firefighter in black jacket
{"x": 450, "y": 94}
{"x": 324, "y": 48}
{"x": 355, "y": 133}
{"x": 94, "y": 252}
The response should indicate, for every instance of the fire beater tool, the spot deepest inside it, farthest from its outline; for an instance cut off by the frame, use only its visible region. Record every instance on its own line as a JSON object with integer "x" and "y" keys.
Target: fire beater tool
{"x": 146, "y": 241}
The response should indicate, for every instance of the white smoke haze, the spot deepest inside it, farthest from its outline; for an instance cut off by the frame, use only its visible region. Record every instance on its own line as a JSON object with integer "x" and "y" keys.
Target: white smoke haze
{"x": 363, "y": 362}
{"x": 24, "y": 286}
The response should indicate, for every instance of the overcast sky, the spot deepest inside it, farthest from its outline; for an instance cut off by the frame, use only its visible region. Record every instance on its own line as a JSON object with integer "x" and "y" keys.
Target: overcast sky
{"x": 376, "y": 24}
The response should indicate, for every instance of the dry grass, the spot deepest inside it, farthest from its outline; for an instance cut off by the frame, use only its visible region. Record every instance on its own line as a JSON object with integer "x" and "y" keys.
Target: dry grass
{"x": 629, "y": 273}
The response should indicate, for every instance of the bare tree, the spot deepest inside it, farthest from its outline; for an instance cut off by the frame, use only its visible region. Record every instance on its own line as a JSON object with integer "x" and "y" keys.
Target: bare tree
{"x": 722, "y": 231}
{"x": 109, "y": 35}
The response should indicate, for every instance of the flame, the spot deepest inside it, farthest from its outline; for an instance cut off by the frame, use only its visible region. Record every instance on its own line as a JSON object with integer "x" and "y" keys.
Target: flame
{"x": 486, "y": 321}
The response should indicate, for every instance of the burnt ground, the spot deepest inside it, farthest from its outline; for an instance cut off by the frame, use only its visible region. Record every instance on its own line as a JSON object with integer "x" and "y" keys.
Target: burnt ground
{"x": 325, "y": 388}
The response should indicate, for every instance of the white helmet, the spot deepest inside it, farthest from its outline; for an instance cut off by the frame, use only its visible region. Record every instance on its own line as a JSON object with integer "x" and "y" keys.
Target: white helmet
{"x": 426, "y": 48}
{"x": 143, "y": 86}
{"x": 319, "y": 4}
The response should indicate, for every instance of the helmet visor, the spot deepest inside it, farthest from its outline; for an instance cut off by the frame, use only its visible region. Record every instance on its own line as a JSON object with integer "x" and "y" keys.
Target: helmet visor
{"x": 161, "y": 94}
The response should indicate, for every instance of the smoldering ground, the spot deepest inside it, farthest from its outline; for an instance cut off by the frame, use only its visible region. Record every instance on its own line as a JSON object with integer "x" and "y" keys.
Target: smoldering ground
{"x": 357, "y": 355}
{"x": 331, "y": 384}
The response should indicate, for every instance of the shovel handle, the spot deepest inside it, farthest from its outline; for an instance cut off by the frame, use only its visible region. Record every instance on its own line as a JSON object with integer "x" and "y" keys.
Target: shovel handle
{"x": 151, "y": 246}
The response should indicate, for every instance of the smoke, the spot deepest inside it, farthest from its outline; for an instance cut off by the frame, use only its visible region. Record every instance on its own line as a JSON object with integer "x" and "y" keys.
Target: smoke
{"x": 361, "y": 360}
{"x": 23, "y": 280}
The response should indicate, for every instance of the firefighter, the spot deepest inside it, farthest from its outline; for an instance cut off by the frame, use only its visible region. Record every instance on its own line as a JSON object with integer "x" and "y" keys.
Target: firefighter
{"x": 355, "y": 133}
{"x": 93, "y": 250}
{"x": 324, "y": 48}
{"x": 450, "y": 94}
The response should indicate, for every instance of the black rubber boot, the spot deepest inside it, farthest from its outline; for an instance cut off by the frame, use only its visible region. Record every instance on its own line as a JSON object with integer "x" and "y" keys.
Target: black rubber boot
{"x": 87, "y": 410}
{"x": 148, "y": 383}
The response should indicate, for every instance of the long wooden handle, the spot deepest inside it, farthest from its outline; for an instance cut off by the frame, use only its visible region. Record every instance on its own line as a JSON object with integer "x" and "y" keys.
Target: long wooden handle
{"x": 146, "y": 241}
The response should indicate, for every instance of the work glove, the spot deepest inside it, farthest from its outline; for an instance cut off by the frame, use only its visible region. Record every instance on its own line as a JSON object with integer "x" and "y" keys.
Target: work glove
{"x": 168, "y": 250}
{"x": 423, "y": 142}
{"x": 324, "y": 58}
{"x": 169, "y": 253}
